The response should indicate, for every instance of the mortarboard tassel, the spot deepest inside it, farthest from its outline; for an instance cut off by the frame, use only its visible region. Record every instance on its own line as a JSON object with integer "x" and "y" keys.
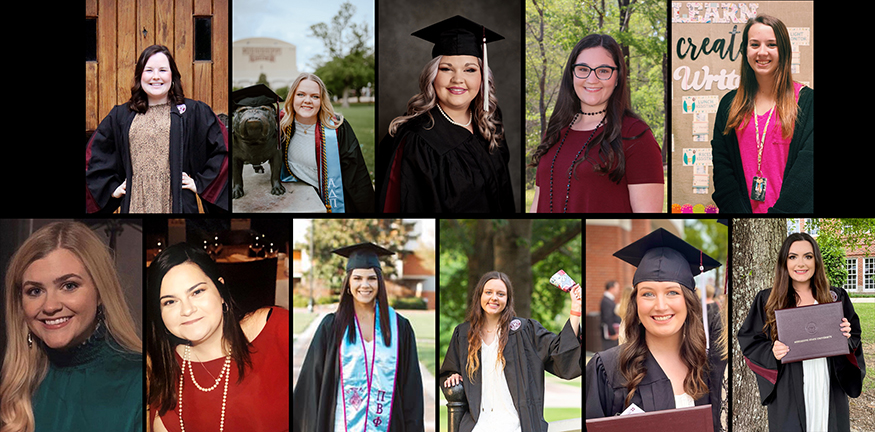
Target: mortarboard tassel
{"x": 485, "y": 75}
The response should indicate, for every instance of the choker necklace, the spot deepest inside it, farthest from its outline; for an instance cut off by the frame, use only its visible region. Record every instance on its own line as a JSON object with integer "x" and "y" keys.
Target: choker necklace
{"x": 571, "y": 169}
{"x": 226, "y": 372}
{"x": 471, "y": 117}
{"x": 594, "y": 113}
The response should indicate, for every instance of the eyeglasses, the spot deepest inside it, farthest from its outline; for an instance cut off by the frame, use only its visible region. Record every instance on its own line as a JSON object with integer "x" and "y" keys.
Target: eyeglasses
{"x": 603, "y": 72}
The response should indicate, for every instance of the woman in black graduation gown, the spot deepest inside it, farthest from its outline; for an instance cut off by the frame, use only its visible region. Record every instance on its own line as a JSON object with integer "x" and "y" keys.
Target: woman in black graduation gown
{"x": 500, "y": 359}
{"x": 787, "y": 389}
{"x": 317, "y": 406}
{"x": 664, "y": 363}
{"x": 159, "y": 152}
{"x": 448, "y": 152}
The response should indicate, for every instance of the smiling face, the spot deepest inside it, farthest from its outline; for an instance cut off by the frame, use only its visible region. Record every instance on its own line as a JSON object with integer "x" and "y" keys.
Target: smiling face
{"x": 364, "y": 285}
{"x": 661, "y": 308}
{"x": 457, "y": 82}
{"x": 307, "y": 101}
{"x": 191, "y": 305}
{"x": 157, "y": 78}
{"x": 762, "y": 49}
{"x": 59, "y": 300}
{"x": 494, "y": 297}
{"x": 593, "y": 92}
{"x": 801, "y": 262}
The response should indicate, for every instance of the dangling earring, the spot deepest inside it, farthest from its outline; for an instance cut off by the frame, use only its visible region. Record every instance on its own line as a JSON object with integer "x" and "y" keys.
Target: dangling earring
{"x": 29, "y": 340}
{"x": 225, "y": 308}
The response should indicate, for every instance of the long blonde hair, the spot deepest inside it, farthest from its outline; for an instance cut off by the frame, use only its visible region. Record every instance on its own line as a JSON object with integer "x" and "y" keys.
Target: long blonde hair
{"x": 24, "y": 367}
{"x": 488, "y": 123}
{"x": 327, "y": 116}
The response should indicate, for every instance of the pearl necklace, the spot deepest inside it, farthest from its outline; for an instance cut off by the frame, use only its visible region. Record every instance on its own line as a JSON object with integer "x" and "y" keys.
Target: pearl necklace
{"x": 471, "y": 117}
{"x": 226, "y": 372}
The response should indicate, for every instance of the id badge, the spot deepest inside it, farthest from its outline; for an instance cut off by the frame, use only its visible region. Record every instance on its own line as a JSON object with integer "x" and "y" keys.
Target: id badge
{"x": 758, "y": 189}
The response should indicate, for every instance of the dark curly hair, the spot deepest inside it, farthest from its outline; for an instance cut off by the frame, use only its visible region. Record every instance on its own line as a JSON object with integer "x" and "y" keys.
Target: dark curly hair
{"x": 139, "y": 102}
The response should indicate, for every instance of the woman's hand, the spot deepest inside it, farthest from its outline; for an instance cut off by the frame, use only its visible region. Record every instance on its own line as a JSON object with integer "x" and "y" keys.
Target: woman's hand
{"x": 780, "y": 350}
{"x": 120, "y": 190}
{"x": 188, "y": 183}
{"x": 846, "y": 328}
{"x": 576, "y": 299}
{"x": 452, "y": 380}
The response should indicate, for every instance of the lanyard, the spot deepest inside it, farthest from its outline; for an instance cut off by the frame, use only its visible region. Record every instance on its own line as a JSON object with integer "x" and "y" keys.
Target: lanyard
{"x": 761, "y": 140}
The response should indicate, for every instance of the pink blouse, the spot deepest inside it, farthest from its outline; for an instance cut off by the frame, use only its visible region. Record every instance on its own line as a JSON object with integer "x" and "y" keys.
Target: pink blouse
{"x": 775, "y": 151}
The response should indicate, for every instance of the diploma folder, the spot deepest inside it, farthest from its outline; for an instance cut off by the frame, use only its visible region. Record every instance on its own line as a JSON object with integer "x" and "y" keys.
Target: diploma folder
{"x": 693, "y": 419}
{"x": 812, "y": 331}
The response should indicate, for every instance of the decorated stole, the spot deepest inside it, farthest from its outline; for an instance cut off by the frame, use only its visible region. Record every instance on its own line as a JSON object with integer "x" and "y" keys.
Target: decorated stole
{"x": 330, "y": 187}
{"x": 368, "y": 379}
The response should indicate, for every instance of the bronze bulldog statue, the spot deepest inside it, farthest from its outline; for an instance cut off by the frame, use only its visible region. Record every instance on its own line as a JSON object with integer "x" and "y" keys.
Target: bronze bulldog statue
{"x": 254, "y": 140}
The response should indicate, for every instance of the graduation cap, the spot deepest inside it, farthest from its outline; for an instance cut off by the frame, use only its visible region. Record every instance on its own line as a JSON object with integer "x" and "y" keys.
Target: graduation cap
{"x": 663, "y": 257}
{"x": 255, "y": 95}
{"x": 363, "y": 255}
{"x": 461, "y": 36}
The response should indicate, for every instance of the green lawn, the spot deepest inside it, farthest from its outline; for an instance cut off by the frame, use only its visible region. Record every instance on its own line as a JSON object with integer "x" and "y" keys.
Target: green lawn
{"x": 361, "y": 118}
{"x": 866, "y": 312}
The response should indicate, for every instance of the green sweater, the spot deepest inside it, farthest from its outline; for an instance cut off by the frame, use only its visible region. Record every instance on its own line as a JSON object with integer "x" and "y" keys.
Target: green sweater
{"x": 97, "y": 386}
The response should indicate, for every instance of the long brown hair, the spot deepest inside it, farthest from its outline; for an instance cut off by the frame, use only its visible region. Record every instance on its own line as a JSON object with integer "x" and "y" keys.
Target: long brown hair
{"x": 343, "y": 319}
{"x": 476, "y": 316}
{"x": 612, "y": 160}
{"x": 162, "y": 368}
{"x": 780, "y": 297}
{"x": 743, "y": 104}
{"x": 693, "y": 350}
{"x": 139, "y": 102}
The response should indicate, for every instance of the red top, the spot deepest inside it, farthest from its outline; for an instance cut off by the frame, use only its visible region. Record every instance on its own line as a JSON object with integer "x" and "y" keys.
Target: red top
{"x": 259, "y": 403}
{"x": 593, "y": 192}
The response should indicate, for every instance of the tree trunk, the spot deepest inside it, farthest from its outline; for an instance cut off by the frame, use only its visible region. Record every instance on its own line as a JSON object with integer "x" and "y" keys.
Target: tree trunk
{"x": 513, "y": 257}
{"x": 755, "y": 247}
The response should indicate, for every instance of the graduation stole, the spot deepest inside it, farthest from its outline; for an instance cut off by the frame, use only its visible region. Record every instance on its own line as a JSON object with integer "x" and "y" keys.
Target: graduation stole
{"x": 330, "y": 187}
{"x": 367, "y": 379}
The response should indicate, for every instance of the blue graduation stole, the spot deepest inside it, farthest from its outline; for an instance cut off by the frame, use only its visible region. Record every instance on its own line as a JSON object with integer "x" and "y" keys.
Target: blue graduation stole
{"x": 330, "y": 187}
{"x": 367, "y": 379}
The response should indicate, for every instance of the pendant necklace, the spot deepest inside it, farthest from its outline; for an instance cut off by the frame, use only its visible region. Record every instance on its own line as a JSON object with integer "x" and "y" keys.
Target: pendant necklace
{"x": 571, "y": 169}
{"x": 758, "y": 186}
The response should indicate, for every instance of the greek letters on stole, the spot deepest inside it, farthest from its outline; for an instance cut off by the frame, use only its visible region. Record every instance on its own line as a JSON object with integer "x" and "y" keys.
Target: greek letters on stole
{"x": 368, "y": 379}
{"x": 330, "y": 187}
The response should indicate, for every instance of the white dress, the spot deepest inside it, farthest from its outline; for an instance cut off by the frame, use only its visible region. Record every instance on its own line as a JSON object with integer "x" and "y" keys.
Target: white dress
{"x": 683, "y": 401}
{"x": 497, "y": 412}
{"x": 815, "y": 388}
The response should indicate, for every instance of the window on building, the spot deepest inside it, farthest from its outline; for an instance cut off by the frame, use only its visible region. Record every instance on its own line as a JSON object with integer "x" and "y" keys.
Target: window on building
{"x": 868, "y": 274}
{"x": 203, "y": 38}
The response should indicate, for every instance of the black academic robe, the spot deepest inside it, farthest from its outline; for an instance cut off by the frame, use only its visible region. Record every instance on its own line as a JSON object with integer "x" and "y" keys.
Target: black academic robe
{"x": 442, "y": 168}
{"x": 781, "y": 385}
{"x": 315, "y": 393}
{"x": 606, "y": 387}
{"x": 198, "y": 147}
{"x": 358, "y": 192}
{"x": 531, "y": 349}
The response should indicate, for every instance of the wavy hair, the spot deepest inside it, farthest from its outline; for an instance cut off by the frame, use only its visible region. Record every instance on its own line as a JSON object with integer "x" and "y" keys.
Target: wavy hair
{"x": 476, "y": 316}
{"x": 139, "y": 102}
{"x": 327, "y": 115}
{"x": 612, "y": 160}
{"x": 742, "y": 105}
{"x": 488, "y": 123}
{"x": 780, "y": 297}
{"x": 162, "y": 369}
{"x": 24, "y": 367}
{"x": 633, "y": 353}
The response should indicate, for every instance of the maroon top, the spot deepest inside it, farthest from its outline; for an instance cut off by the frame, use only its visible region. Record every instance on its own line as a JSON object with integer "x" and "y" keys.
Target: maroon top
{"x": 259, "y": 403}
{"x": 593, "y": 192}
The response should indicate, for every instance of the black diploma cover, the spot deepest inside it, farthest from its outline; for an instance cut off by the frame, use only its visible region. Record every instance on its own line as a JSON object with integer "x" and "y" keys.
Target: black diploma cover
{"x": 811, "y": 331}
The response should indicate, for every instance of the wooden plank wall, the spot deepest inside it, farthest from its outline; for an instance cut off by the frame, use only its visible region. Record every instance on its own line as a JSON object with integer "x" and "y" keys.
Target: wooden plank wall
{"x": 126, "y": 27}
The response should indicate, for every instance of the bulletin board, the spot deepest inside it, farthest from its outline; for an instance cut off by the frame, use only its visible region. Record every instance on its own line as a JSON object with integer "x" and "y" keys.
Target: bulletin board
{"x": 706, "y": 52}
